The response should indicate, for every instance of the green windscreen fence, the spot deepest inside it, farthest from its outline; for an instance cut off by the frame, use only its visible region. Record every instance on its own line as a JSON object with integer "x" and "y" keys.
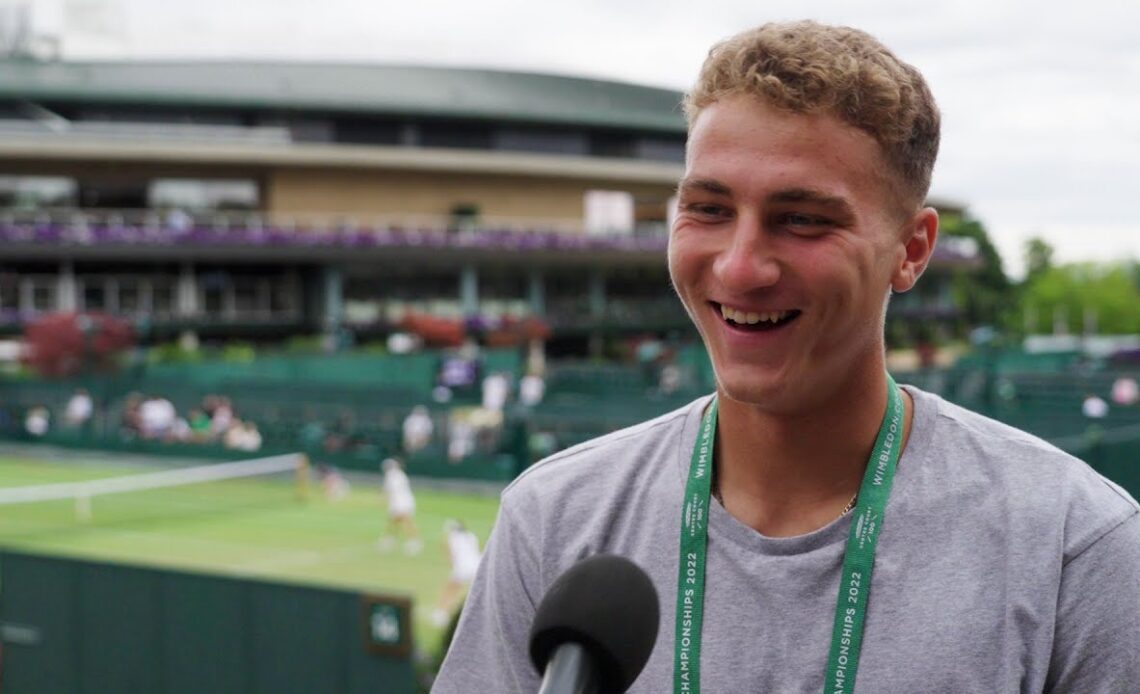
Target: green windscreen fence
{"x": 300, "y": 403}
{"x": 69, "y": 626}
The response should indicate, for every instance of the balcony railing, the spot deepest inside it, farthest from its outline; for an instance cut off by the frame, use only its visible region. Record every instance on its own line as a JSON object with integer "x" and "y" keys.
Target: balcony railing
{"x": 75, "y": 227}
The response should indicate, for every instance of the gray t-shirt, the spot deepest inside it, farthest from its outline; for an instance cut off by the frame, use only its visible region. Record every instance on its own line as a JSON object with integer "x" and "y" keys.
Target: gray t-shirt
{"x": 1004, "y": 565}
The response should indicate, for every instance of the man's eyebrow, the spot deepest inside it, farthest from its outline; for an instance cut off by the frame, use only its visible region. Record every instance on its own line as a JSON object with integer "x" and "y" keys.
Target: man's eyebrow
{"x": 706, "y": 185}
{"x": 813, "y": 196}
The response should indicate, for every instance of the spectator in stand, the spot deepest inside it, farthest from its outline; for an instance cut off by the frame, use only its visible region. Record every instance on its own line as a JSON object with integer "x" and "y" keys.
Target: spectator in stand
{"x": 401, "y": 509}
{"x": 463, "y": 553}
{"x": 242, "y": 436}
{"x": 669, "y": 378}
{"x": 1094, "y": 407}
{"x": 418, "y": 429}
{"x": 222, "y": 415}
{"x": 38, "y": 421}
{"x": 199, "y": 424}
{"x": 461, "y": 440}
{"x": 496, "y": 390}
{"x": 252, "y": 437}
{"x": 180, "y": 431}
{"x": 531, "y": 389}
{"x": 179, "y": 220}
{"x": 79, "y": 409}
{"x": 156, "y": 417}
{"x": 130, "y": 425}
{"x": 1125, "y": 391}
{"x": 234, "y": 437}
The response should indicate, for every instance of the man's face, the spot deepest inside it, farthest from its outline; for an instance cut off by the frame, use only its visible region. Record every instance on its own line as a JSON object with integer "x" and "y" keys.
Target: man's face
{"x": 783, "y": 249}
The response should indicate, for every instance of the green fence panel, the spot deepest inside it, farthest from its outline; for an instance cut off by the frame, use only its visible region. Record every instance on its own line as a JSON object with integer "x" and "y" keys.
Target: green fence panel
{"x": 38, "y": 630}
{"x": 288, "y": 621}
{"x": 117, "y": 622}
{"x": 71, "y": 626}
{"x": 206, "y": 644}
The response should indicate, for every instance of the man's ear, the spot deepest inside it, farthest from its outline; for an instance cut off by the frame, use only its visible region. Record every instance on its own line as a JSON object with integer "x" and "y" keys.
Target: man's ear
{"x": 919, "y": 236}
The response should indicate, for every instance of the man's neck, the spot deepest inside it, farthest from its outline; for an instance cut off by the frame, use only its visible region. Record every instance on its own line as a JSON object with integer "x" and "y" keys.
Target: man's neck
{"x": 789, "y": 474}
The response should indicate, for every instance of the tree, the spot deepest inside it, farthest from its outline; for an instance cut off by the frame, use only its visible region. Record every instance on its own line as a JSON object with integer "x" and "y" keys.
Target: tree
{"x": 1108, "y": 293}
{"x": 984, "y": 294}
{"x": 61, "y": 345}
{"x": 1038, "y": 257}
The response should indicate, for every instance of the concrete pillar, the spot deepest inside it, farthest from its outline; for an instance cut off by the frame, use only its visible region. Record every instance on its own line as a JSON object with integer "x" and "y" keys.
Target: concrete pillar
{"x": 187, "y": 292}
{"x": 469, "y": 290}
{"x": 536, "y": 293}
{"x": 66, "y": 295}
{"x": 333, "y": 294}
{"x": 597, "y": 294}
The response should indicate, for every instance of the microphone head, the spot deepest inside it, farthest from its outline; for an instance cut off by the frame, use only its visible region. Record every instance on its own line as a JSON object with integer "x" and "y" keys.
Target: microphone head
{"x": 606, "y": 604}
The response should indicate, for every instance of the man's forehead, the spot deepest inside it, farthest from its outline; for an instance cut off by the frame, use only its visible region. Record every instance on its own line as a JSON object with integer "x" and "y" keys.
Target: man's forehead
{"x": 742, "y": 145}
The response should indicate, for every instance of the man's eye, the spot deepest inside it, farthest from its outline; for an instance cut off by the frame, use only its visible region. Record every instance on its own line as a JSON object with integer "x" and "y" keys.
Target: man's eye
{"x": 706, "y": 209}
{"x": 795, "y": 219}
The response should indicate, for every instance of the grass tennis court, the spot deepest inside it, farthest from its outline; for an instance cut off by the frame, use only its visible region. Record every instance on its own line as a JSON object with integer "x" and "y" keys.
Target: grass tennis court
{"x": 246, "y": 527}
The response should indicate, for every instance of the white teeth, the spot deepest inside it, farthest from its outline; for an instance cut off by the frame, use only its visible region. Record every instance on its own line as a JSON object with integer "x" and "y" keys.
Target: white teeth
{"x": 751, "y": 318}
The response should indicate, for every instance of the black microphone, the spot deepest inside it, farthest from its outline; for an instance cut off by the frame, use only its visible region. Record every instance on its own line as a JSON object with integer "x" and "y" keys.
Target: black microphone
{"x": 595, "y": 628}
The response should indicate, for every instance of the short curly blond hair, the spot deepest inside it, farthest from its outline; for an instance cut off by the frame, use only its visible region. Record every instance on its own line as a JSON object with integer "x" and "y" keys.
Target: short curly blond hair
{"x": 807, "y": 67}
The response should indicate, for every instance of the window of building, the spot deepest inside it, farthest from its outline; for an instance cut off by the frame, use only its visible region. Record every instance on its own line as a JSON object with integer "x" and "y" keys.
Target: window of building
{"x": 392, "y": 291}
{"x": 609, "y": 212}
{"x": 611, "y": 144}
{"x": 130, "y": 296}
{"x": 35, "y": 192}
{"x": 453, "y": 134}
{"x": 156, "y": 115}
{"x": 203, "y": 194}
{"x": 247, "y": 296}
{"x": 42, "y": 292}
{"x": 214, "y": 286}
{"x": 567, "y": 295}
{"x": 9, "y": 292}
{"x": 112, "y": 194}
{"x": 163, "y": 297}
{"x": 464, "y": 216}
{"x": 94, "y": 293}
{"x": 283, "y": 296}
{"x": 368, "y": 131}
{"x": 660, "y": 149}
{"x": 543, "y": 141}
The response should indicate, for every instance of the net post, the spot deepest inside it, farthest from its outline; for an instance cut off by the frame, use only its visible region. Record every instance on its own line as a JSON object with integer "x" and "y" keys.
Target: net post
{"x": 302, "y": 477}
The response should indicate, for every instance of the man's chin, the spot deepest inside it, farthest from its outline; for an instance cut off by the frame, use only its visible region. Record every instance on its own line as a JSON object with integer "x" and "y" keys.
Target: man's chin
{"x": 760, "y": 392}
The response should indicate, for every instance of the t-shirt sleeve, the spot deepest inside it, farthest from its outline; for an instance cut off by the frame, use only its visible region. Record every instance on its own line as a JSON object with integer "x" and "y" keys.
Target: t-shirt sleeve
{"x": 1096, "y": 646}
{"x": 489, "y": 652}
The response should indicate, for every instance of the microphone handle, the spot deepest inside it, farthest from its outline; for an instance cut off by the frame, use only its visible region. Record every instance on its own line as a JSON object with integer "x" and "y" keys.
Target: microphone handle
{"x": 570, "y": 671}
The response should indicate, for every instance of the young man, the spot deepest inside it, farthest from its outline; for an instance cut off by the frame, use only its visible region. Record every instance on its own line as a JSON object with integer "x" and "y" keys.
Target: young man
{"x": 1000, "y": 564}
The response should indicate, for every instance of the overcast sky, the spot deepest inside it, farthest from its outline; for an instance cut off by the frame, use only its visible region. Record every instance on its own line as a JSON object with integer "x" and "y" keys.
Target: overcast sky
{"x": 1040, "y": 99}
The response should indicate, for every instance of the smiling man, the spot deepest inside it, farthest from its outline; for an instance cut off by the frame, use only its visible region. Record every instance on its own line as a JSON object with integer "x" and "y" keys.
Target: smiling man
{"x": 852, "y": 535}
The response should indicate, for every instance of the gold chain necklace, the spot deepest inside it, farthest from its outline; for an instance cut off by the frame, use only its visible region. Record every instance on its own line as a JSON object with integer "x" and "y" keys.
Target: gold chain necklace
{"x": 716, "y": 495}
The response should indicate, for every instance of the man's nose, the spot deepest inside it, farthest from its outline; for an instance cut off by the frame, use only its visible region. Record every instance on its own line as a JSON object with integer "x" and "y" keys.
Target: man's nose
{"x": 749, "y": 261}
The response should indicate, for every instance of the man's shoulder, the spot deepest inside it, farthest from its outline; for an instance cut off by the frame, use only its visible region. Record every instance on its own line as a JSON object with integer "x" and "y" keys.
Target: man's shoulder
{"x": 1036, "y": 476}
{"x": 645, "y": 448}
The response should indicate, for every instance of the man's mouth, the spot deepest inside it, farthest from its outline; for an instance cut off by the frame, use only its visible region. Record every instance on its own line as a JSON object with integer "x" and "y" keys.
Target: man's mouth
{"x": 756, "y": 321}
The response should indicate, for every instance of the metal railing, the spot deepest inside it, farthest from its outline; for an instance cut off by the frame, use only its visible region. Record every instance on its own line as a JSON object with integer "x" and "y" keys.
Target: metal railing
{"x": 75, "y": 226}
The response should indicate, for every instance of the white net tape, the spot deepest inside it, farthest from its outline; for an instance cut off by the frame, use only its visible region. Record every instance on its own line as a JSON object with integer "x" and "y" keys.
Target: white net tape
{"x": 151, "y": 480}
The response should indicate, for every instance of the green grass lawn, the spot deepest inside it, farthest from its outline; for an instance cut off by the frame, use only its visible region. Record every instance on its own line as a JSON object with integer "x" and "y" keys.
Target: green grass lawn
{"x": 253, "y": 527}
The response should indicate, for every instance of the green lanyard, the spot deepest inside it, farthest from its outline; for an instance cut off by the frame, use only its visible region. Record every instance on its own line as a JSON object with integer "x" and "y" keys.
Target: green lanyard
{"x": 858, "y": 560}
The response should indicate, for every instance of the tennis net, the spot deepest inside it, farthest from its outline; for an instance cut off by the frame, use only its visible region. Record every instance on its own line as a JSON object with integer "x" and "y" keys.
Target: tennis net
{"x": 84, "y": 491}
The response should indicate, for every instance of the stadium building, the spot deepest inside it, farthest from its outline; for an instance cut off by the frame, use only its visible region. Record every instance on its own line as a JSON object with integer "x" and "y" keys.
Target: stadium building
{"x": 261, "y": 201}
